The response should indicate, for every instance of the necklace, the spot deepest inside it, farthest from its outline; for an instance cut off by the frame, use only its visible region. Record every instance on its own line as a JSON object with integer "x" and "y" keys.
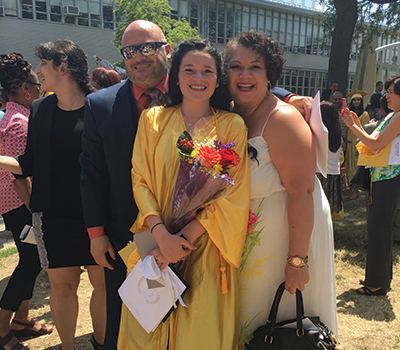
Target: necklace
{"x": 190, "y": 125}
{"x": 70, "y": 107}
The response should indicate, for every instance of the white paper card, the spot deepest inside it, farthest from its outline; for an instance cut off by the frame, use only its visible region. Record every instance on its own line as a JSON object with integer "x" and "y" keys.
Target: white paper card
{"x": 149, "y": 306}
{"x": 320, "y": 133}
{"x": 394, "y": 156}
{"x": 27, "y": 235}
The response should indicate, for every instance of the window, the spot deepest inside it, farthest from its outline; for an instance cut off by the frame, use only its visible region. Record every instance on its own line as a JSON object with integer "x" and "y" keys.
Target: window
{"x": 253, "y": 19}
{"x": 55, "y": 10}
{"x": 10, "y": 7}
{"x": 268, "y": 23}
{"x": 221, "y": 22}
{"x": 303, "y": 35}
{"x": 184, "y": 9}
{"x": 83, "y": 17}
{"x": 174, "y": 11}
{"x": 229, "y": 21}
{"x": 41, "y": 10}
{"x": 261, "y": 20}
{"x": 282, "y": 26}
{"x": 27, "y": 9}
{"x": 275, "y": 26}
{"x": 309, "y": 36}
{"x": 108, "y": 17}
{"x": 95, "y": 15}
{"x": 246, "y": 18}
{"x": 194, "y": 7}
{"x": 238, "y": 19}
{"x": 212, "y": 21}
{"x": 296, "y": 34}
{"x": 289, "y": 32}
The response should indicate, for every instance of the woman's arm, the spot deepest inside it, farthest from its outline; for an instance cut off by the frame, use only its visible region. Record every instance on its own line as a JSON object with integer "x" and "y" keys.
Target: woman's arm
{"x": 378, "y": 141}
{"x": 292, "y": 151}
{"x": 10, "y": 164}
{"x": 23, "y": 188}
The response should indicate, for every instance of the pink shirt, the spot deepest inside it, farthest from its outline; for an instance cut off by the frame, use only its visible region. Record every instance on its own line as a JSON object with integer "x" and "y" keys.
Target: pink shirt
{"x": 13, "y": 133}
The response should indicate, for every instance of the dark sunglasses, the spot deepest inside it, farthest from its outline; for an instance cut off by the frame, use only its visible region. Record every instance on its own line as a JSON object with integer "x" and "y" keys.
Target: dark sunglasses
{"x": 146, "y": 49}
{"x": 32, "y": 83}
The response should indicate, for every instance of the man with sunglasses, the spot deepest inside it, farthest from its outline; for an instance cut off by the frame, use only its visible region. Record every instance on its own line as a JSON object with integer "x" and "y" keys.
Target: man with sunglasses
{"x": 111, "y": 117}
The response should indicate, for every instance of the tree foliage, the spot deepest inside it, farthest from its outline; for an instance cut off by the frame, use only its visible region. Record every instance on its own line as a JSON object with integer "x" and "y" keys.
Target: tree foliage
{"x": 372, "y": 17}
{"x": 156, "y": 11}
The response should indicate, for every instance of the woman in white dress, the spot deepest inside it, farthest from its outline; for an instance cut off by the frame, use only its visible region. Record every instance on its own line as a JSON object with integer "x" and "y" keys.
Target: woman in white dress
{"x": 290, "y": 236}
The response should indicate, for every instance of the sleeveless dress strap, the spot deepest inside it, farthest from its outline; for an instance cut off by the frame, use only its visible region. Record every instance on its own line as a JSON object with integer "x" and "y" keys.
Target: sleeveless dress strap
{"x": 265, "y": 124}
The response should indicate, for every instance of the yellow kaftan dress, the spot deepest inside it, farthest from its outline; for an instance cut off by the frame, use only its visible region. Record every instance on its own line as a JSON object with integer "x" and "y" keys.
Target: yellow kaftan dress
{"x": 210, "y": 320}
{"x": 351, "y": 157}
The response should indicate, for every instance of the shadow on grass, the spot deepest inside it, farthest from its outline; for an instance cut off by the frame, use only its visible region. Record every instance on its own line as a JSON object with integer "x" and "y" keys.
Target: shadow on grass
{"x": 377, "y": 308}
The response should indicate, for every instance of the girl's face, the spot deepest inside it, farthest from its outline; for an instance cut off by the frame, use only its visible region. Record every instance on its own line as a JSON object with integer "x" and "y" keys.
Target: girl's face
{"x": 393, "y": 99}
{"x": 49, "y": 75}
{"x": 247, "y": 76}
{"x": 34, "y": 87}
{"x": 197, "y": 76}
{"x": 356, "y": 101}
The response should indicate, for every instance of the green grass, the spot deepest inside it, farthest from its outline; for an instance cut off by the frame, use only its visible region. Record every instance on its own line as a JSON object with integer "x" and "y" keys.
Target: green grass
{"x": 8, "y": 252}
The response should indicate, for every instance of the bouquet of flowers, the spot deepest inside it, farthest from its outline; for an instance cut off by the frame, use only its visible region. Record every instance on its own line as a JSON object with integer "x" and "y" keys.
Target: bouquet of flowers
{"x": 203, "y": 171}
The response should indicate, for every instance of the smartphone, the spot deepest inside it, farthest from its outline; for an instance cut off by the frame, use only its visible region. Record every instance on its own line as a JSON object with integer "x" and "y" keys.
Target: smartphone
{"x": 344, "y": 103}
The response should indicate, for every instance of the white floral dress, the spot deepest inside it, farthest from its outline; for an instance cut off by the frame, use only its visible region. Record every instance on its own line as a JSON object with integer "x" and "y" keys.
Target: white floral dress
{"x": 266, "y": 248}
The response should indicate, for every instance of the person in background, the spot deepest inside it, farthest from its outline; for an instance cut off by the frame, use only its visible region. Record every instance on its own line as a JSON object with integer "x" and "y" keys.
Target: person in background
{"x": 331, "y": 184}
{"x": 21, "y": 84}
{"x": 103, "y": 77}
{"x": 357, "y": 106}
{"x": 3, "y": 101}
{"x": 52, "y": 158}
{"x": 385, "y": 195}
{"x": 376, "y": 96}
{"x": 333, "y": 86}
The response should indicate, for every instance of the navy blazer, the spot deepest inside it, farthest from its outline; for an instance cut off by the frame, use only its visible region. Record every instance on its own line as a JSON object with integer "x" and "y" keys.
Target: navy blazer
{"x": 37, "y": 157}
{"x": 110, "y": 122}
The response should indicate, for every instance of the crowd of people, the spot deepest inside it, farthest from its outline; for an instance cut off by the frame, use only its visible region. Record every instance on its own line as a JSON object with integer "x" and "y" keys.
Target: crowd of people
{"x": 96, "y": 164}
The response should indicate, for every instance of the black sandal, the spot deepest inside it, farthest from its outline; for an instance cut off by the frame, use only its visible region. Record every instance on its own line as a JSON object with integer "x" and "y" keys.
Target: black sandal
{"x": 28, "y": 331}
{"x": 368, "y": 292}
{"x": 5, "y": 340}
{"x": 95, "y": 344}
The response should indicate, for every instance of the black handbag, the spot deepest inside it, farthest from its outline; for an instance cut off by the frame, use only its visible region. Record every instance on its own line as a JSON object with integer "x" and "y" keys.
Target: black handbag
{"x": 301, "y": 333}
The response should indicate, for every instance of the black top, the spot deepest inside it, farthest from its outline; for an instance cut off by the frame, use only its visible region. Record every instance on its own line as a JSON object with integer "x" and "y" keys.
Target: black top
{"x": 66, "y": 147}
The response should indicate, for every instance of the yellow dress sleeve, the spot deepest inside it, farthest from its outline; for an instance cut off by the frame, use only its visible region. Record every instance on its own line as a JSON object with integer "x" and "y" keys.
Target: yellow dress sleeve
{"x": 364, "y": 118}
{"x": 226, "y": 218}
{"x": 142, "y": 180}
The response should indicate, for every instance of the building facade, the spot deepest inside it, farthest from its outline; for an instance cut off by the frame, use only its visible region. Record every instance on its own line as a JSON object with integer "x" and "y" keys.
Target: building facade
{"x": 295, "y": 24}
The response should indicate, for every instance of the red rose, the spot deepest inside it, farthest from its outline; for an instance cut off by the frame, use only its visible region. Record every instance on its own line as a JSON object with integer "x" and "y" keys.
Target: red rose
{"x": 208, "y": 156}
{"x": 228, "y": 157}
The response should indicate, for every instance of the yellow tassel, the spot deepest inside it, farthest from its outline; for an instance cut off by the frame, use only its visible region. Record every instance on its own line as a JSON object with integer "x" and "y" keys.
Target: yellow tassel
{"x": 133, "y": 259}
{"x": 224, "y": 285}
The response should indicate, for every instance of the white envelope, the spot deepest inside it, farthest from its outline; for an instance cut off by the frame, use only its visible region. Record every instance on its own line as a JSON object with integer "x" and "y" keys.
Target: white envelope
{"x": 149, "y": 306}
{"x": 320, "y": 133}
{"x": 27, "y": 235}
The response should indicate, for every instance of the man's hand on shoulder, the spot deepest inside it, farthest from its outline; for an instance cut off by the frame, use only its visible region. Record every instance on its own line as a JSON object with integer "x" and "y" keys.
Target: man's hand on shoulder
{"x": 302, "y": 104}
{"x": 99, "y": 246}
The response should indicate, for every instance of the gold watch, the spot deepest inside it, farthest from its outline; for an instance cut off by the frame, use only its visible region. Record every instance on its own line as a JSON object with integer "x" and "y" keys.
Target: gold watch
{"x": 297, "y": 262}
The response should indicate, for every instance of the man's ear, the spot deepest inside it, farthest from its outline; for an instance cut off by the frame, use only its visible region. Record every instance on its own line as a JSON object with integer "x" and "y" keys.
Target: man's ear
{"x": 168, "y": 51}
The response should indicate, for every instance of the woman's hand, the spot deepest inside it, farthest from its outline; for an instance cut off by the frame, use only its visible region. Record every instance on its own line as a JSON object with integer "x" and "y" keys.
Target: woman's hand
{"x": 350, "y": 118}
{"x": 295, "y": 278}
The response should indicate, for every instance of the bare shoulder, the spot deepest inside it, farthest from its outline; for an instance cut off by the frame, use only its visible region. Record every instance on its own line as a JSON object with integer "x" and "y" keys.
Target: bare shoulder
{"x": 287, "y": 117}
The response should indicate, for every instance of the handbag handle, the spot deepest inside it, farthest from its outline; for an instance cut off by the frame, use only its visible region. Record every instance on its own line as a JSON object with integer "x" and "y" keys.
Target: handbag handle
{"x": 274, "y": 311}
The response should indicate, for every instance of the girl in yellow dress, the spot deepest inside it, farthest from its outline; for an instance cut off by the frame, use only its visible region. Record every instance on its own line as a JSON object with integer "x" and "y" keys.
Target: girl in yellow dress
{"x": 213, "y": 241}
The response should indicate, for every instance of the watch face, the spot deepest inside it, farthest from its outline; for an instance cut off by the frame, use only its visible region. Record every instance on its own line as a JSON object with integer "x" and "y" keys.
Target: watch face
{"x": 296, "y": 261}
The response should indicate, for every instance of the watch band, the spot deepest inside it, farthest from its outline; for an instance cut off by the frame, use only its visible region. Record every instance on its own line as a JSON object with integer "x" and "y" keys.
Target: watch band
{"x": 297, "y": 261}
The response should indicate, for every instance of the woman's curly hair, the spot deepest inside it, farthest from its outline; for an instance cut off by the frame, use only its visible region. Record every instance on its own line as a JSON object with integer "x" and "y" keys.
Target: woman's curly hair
{"x": 66, "y": 51}
{"x": 266, "y": 47}
{"x": 14, "y": 70}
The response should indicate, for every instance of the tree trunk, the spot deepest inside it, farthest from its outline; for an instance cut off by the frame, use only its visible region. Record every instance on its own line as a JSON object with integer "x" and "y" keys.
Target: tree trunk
{"x": 342, "y": 35}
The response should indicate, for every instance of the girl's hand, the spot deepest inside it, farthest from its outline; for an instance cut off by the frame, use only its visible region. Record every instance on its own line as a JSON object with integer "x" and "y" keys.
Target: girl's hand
{"x": 174, "y": 248}
{"x": 161, "y": 261}
{"x": 296, "y": 278}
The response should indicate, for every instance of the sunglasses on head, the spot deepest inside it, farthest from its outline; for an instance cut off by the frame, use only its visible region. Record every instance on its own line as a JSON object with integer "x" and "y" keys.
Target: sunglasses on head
{"x": 146, "y": 49}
